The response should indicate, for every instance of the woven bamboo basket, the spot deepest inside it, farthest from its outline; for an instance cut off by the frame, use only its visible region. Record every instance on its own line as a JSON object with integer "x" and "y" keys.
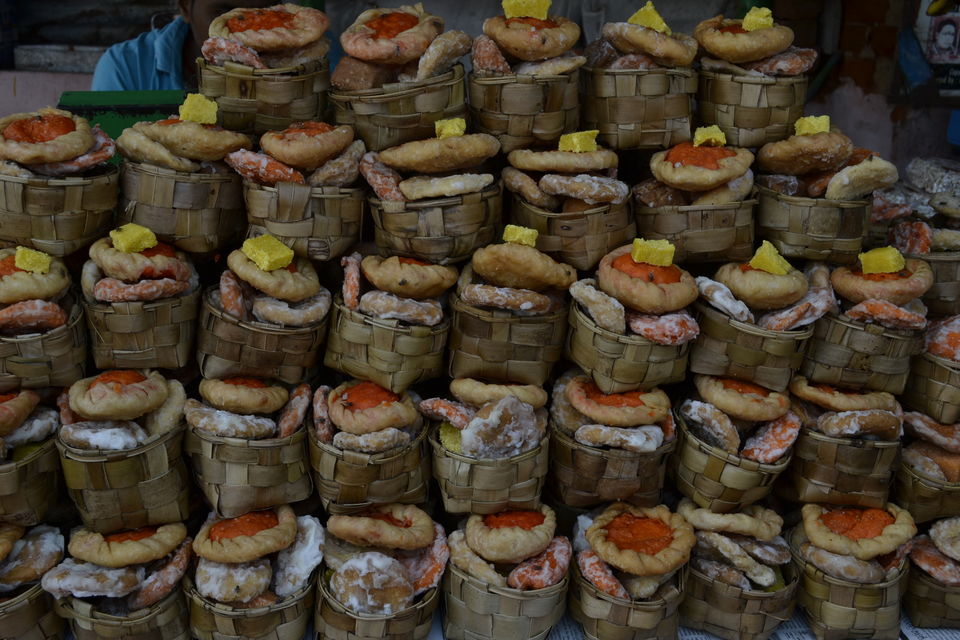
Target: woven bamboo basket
{"x": 319, "y": 223}
{"x": 751, "y": 110}
{"x": 638, "y": 109}
{"x": 30, "y": 616}
{"x": 579, "y": 239}
{"x": 925, "y": 498}
{"x": 729, "y": 612}
{"x": 494, "y": 344}
{"x": 933, "y": 388}
{"x": 258, "y": 100}
{"x": 525, "y": 111}
{"x": 400, "y": 112}
{"x": 351, "y": 481}
{"x": 142, "y": 335}
{"x": 55, "y": 358}
{"x": 943, "y": 298}
{"x": 116, "y": 490}
{"x": 701, "y": 233}
{"x": 584, "y": 476}
{"x": 197, "y": 212}
{"x": 474, "y": 485}
{"x": 717, "y": 480}
{"x": 393, "y": 354}
{"x": 29, "y": 486}
{"x": 622, "y": 362}
{"x": 730, "y": 348}
{"x": 844, "y": 471}
{"x": 333, "y": 620}
{"x": 166, "y": 620}
{"x": 443, "y": 230}
{"x": 839, "y": 609}
{"x": 238, "y": 475}
{"x": 58, "y": 215}
{"x": 228, "y": 347}
{"x": 813, "y": 228}
{"x": 285, "y": 620}
{"x": 607, "y": 618}
{"x": 931, "y": 604}
{"x": 847, "y": 353}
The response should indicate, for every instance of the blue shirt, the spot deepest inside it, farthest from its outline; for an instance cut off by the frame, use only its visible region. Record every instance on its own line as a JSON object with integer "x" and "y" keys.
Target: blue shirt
{"x": 151, "y": 61}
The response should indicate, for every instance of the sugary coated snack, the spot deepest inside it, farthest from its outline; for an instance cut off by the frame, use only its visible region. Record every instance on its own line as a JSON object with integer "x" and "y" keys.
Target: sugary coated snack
{"x": 520, "y": 301}
{"x": 727, "y": 39}
{"x": 424, "y": 187}
{"x": 936, "y": 564}
{"x": 503, "y": 429}
{"x": 47, "y": 135}
{"x": 879, "y": 423}
{"x": 388, "y": 306}
{"x": 528, "y": 189}
{"x": 261, "y": 168}
{"x": 699, "y": 168}
{"x": 118, "y": 395}
{"x": 563, "y": 161}
{"x": 392, "y": 526}
{"x": 124, "y": 548}
{"x": 733, "y": 554}
{"x": 218, "y": 50}
{"x": 627, "y": 409}
{"x": 922, "y": 426}
{"x": 438, "y": 155}
{"x": 943, "y": 338}
{"x": 467, "y": 560}
{"x": 391, "y": 36}
{"x": 511, "y": 536}
{"x": 295, "y": 283}
{"x": 815, "y": 303}
{"x": 669, "y": 329}
{"x": 84, "y": 579}
{"x": 553, "y": 67}
{"x": 861, "y": 179}
{"x": 457, "y": 414}
{"x": 600, "y": 575}
{"x": 282, "y": 26}
{"x": 243, "y": 395}
{"x": 588, "y": 188}
{"x": 384, "y": 180}
{"x": 775, "y": 551}
{"x": 637, "y": 439}
{"x": 802, "y": 154}
{"x": 290, "y": 314}
{"x": 374, "y": 442}
{"x": 668, "y": 49}
{"x": 247, "y": 537}
{"x": 946, "y": 535}
{"x": 226, "y": 424}
{"x": 425, "y": 566}
{"x": 234, "y": 582}
{"x": 364, "y": 407}
{"x": 901, "y": 287}
{"x": 342, "y": 170}
{"x": 30, "y": 556}
{"x": 105, "y": 435}
{"x": 772, "y": 440}
{"x": 372, "y": 583}
{"x": 927, "y": 459}
{"x": 710, "y": 425}
{"x": 641, "y": 541}
{"x": 295, "y": 564}
{"x": 720, "y": 572}
{"x": 842, "y": 566}
{"x": 294, "y": 412}
{"x": 720, "y": 297}
{"x": 644, "y": 287}
{"x": 307, "y": 145}
{"x": 136, "y": 146}
{"x": 520, "y": 266}
{"x": 653, "y": 193}
{"x": 408, "y": 277}
{"x": 42, "y": 423}
{"x": 605, "y": 310}
{"x": 753, "y": 520}
{"x": 793, "y": 61}
{"x": 165, "y": 578}
{"x": 543, "y": 570}
{"x": 444, "y": 52}
{"x": 529, "y": 38}
{"x": 761, "y": 289}
{"x": 740, "y": 399}
{"x": 736, "y": 190}
{"x": 15, "y": 409}
{"x": 477, "y": 392}
{"x": 861, "y": 533}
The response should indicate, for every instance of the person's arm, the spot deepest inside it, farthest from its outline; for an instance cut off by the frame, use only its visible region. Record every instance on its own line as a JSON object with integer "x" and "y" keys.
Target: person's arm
{"x": 112, "y": 72}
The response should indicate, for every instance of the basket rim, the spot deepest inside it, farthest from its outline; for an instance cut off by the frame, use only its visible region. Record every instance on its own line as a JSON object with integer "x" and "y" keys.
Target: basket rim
{"x": 492, "y": 190}
{"x": 249, "y": 443}
{"x": 65, "y": 605}
{"x": 298, "y": 70}
{"x": 688, "y": 72}
{"x": 748, "y": 79}
{"x": 99, "y": 455}
{"x": 594, "y": 210}
{"x": 930, "y": 483}
{"x": 393, "y": 325}
{"x": 381, "y": 457}
{"x": 751, "y": 595}
{"x": 104, "y": 173}
{"x": 729, "y": 458}
{"x": 22, "y": 600}
{"x": 610, "y": 452}
{"x": 395, "y": 90}
{"x": 580, "y": 582}
{"x": 256, "y": 327}
{"x": 76, "y": 316}
{"x": 803, "y": 564}
{"x": 179, "y": 176}
{"x": 752, "y": 329}
{"x": 190, "y": 590}
{"x": 442, "y": 451}
{"x": 811, "y": 202}
{"x": 899, "y": 334}
{"x": 692, "y": 208}
{"x": 946, "y": 363}
{"x": 44, "y": 449}
{"x": 508, "y": 592}
{"x": 316, "y": 191}
{"x": 90, "y": 304}
{"x": 867, "y": 444}
{"x": 430, "y": 598}
{"x": 527, "y": 78}
{"x": 922, "y": 575}
{"x": 621, "y": 338}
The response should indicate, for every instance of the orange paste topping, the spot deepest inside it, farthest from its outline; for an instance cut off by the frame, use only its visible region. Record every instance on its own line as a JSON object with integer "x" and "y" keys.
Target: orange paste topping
{"x": 386, "y": 517}
{"x": 648, "y": 536}
{"x": 161, "y": 249}
{"x": 646, "y": 272}
{"x": 240, "y": 381}
{"x": 118, "y": 378}
{"x": 309, "y": 128}
{"x": 9, "y": 265}
{"x": 733, "y": 28}
{"x": 857, "y": 524}
{"x": 389, "y": 25}
{"x": 526, "y": 520}
{"x": 39, "y": 128}
{"x": 881, "y": 277}
{"x": 707, "y": 157}
{"x": 261, "y": 20}
{"x": 744, "y": 387}
{"x": 367, "y": 395}
{"x": 246, "y": 525}
{"x": 7, "y": 397}
{"x": 413, "y": 261}
{"x": 132, "y": 535}
{"x": 625, "y": 399}
{"x": 536, "y": 23}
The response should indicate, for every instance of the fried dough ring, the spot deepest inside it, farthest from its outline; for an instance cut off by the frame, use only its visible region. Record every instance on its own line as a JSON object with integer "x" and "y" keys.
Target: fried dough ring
{"x": 194, "y": 141}
{"x": 408, "y": 278}
{"x": 852, "y": 286}
{"x": 760, "y": 289}
{"x": 654, "y": 407}
{"x": 751, "y": 406}
{"x": 135, "y": 146}
{"x": 562, "y": 161}
{"x": 360, "y": 41}
{"x": 94, "y": 547}
{"x": 113, "y": 401}
{"x": 242, "y": 398}
{"x": 741, "y": 47}
{"x": 510, "y": 544}
{"x": 63, "y": 147}
{"x": 892, "y": 536}
{"x": 664, "y": 561}
{"x": 27, "y": 285}
{"x": 836, "y": 400}
{"x": 478, "y": 393}
{"x": 753, "y": 520}
{"x": 437, "y": 155}
{"x": 305, "y": 150}
{"x": 246, "y": 548}
{"x": 280, "y": 283}
{"x": 397, "y": 414}
{"x": 690, "y": 177}
{"x": 307, "y": 26}
{"x": 799, "y": 155}
{"x": 366, "y": 530}
{"x": 674, "y": 50}
{"x": 529, "y": 43}
{"x": 646, "y": 297}
{"x": 134, "y": 267}
{"x": 519, "y": 266}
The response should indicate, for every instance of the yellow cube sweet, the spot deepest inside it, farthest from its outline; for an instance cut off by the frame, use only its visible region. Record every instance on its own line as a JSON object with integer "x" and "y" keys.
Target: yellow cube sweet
{"x": 520, "y": 235}
{"x": 656, "y": 252}
{"x": 526, "y": 9}
{"x": 132, "y": 238}
{"x": 649, "y": 17}
{"x": 450, "y": 438}
{"x": 267, "y": 252}
{"x": 812, "y": 124}
{"x": 757, "y": 18}
{"x": 882, "y": 260}
{"x": 579, "y": 142}
{"x": 32, "y": 260}
{"x": 199, "y": 108}
{"x": 768, "y": 259}
{"x": 711, "y": 136}
{"x": 450, "y": 128}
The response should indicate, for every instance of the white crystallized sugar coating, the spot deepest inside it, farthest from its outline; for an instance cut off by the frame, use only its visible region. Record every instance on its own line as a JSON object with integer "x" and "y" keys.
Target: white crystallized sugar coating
{"x": 375, "y": 571}
{"x": 42, "y": 423}
{"x": 491, "y": 437}
{"x": 223, "y": 582}
{"x": 111, "y": 435}
{"x": 296, "y": 563}
{"x": 50, "y": 547}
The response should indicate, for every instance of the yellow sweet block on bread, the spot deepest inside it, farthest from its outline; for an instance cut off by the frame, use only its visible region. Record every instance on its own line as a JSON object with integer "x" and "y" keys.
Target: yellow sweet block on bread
{"x": 768, "y": 259}
{"x": 267, "y": 252}
{"x": 757, "y": 18}
{"x": 450, "y": 438}
{"x": 812, "y": 124}
{"x": 710, "y": 136}
{"x": 520, "y": 235}
{"x": 882, "y": 260}
{"x": 132, "y": 238}
{"x": 656, "y": 252}
{"x": 649, "y": 17}
{"x": 199, "y": 108}
{"x": 579, "y": 142}
{"x": 32, "y": 260}
{"x": 526, "y": 9}
{"x": 450, "y": 128}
